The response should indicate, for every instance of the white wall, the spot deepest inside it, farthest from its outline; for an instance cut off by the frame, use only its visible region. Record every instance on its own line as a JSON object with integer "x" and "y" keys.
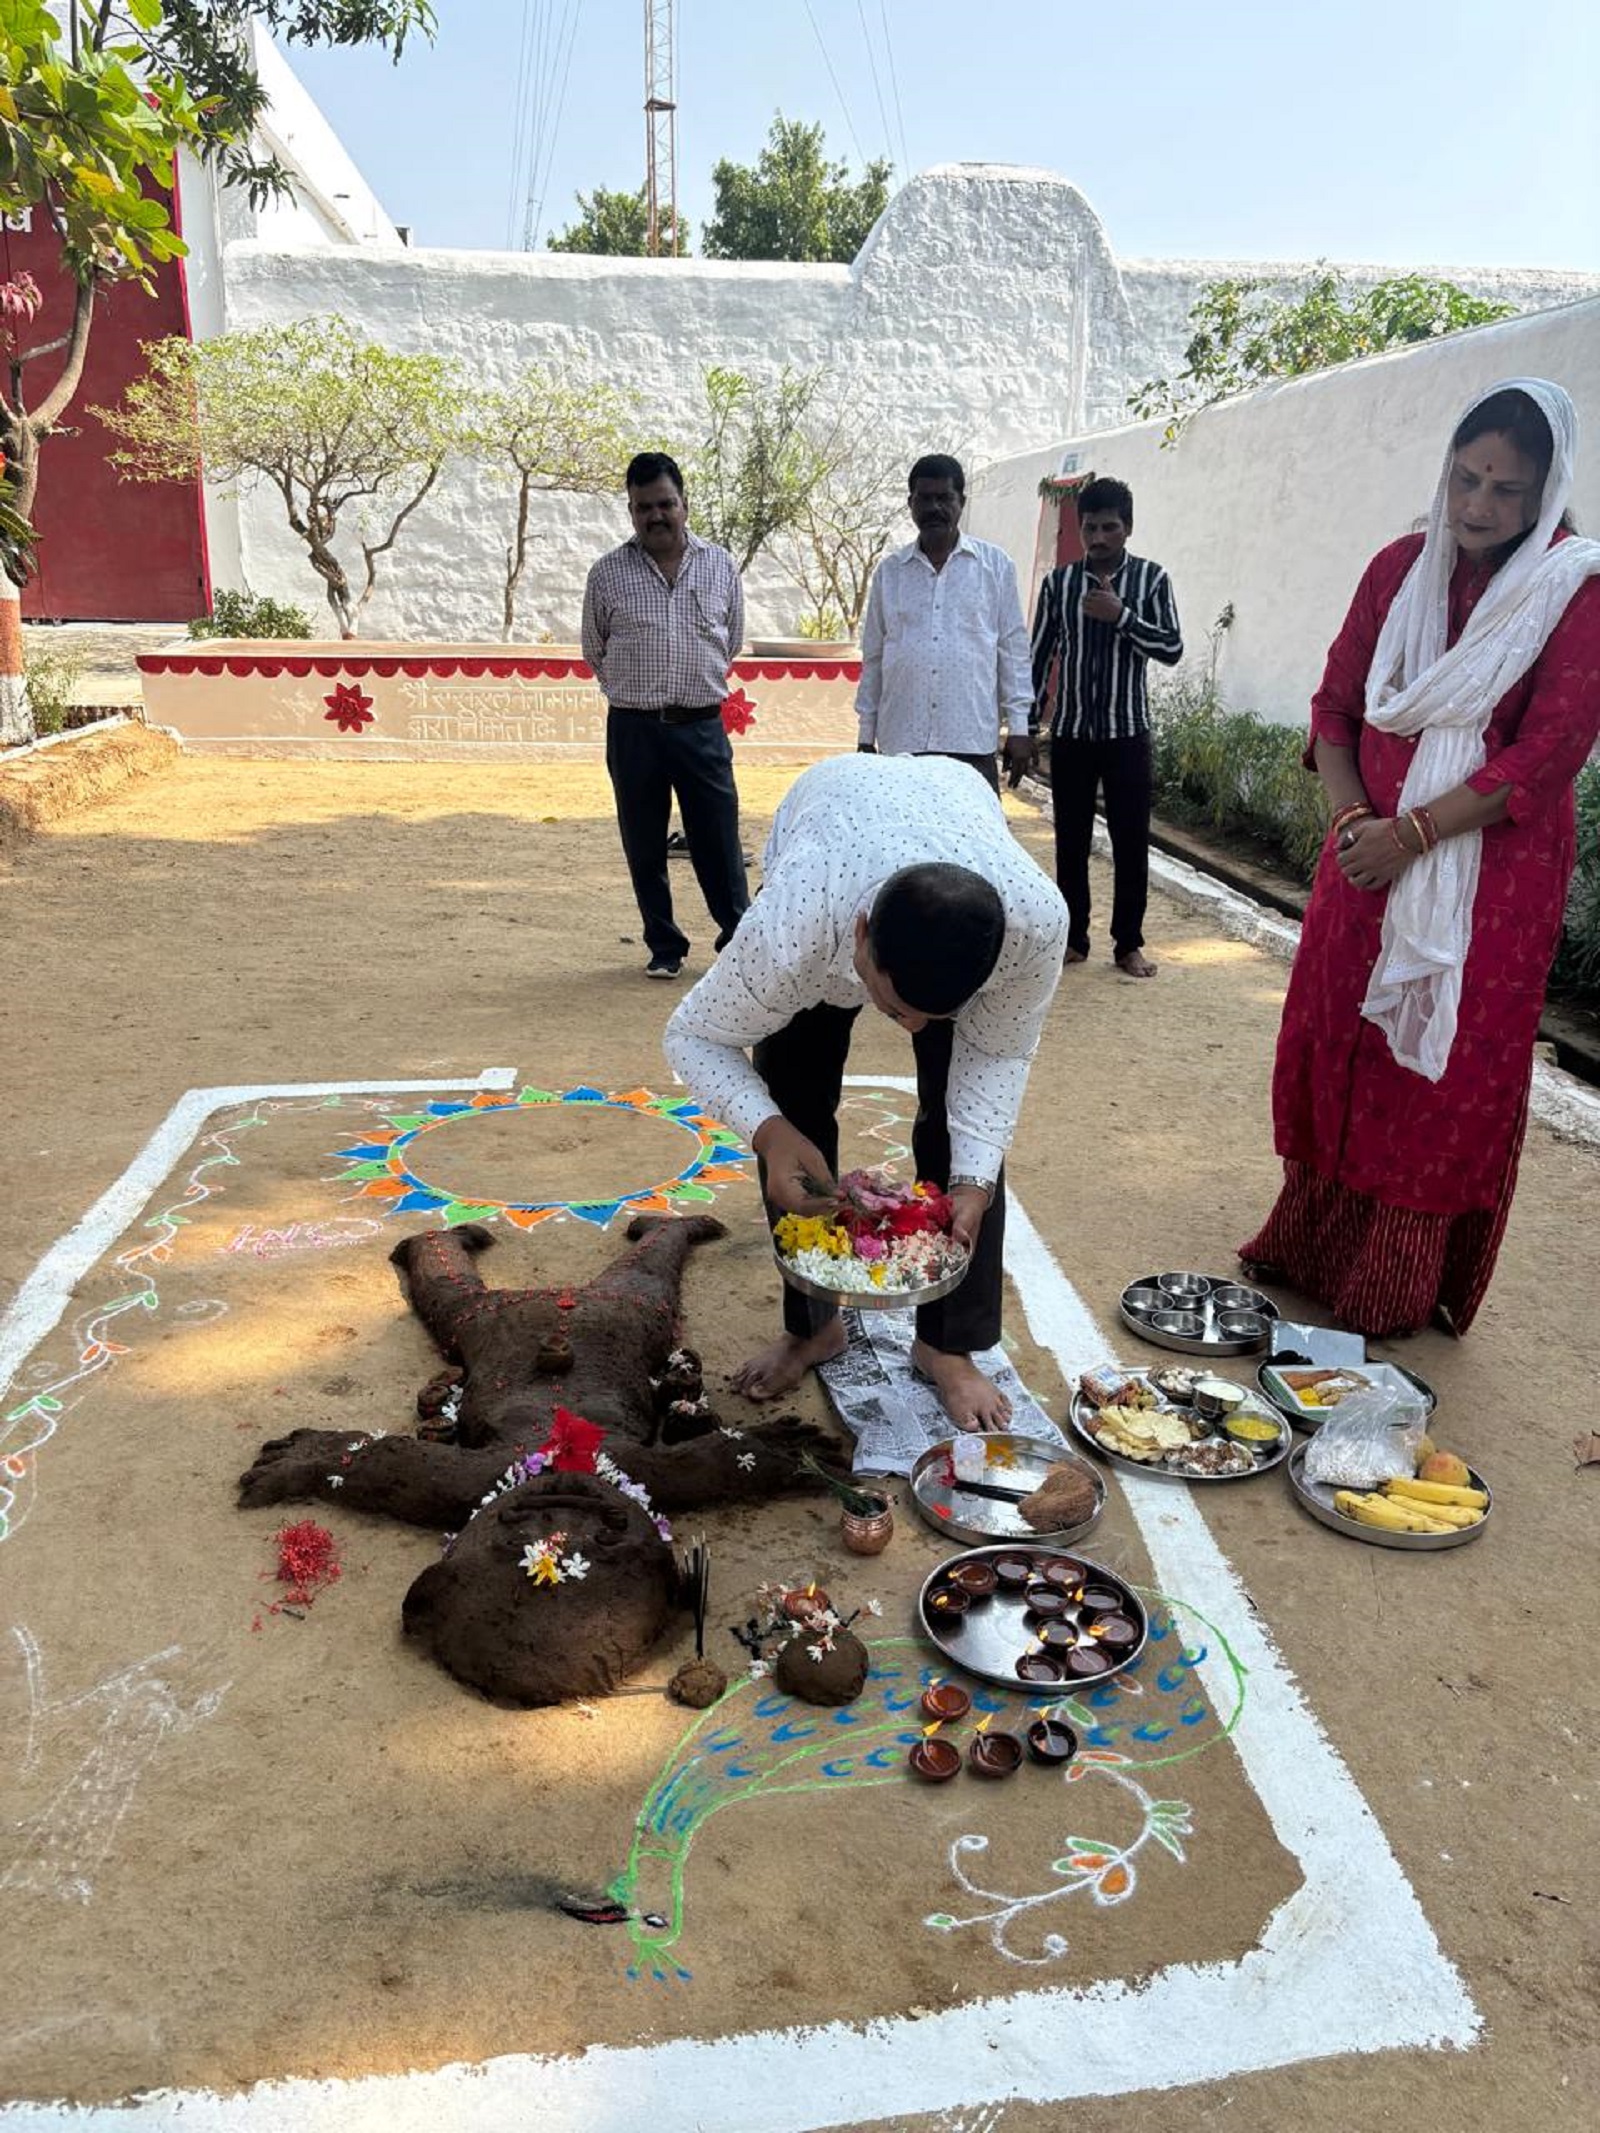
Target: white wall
{"x": 957, "y": 326}
{"x": 1276, "y": 501}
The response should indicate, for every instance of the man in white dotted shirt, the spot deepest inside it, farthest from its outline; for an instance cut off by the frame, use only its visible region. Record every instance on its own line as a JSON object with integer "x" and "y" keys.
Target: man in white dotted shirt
{"x": 944, "y": 647}
{"x": 895, "y": 885}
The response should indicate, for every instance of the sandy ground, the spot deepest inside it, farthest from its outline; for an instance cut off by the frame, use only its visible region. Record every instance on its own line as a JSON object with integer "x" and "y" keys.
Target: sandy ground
{"x": 326, "y": 1836}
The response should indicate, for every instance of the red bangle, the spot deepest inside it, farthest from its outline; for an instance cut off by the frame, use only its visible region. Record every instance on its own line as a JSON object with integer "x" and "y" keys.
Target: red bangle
{"x": 1423, "y": 816}
{"x": 1399, "y": 841}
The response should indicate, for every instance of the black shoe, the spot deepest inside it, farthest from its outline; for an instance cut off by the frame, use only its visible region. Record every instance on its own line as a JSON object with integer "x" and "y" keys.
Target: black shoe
{"x": 678, "y": 845}
{"x": 664, "y": 966}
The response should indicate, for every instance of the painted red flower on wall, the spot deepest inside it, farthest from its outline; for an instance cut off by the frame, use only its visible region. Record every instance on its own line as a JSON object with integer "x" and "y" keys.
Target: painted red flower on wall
{"x": 738, "y": 713}
{"x": 348, "y": 708}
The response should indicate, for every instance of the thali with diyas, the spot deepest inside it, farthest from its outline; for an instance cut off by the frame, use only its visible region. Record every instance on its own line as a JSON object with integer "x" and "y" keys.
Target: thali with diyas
{"x": 1198, "y": 1314}
{"x": 983, "y": 1505}
{"x": 1151, "y": 1422}
{"x": 1032, "y": 1618}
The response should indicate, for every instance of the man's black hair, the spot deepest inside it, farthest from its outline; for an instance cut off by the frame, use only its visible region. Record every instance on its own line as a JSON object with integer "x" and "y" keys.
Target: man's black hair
{"x": 939, "y": 466}
{"x": 647, "y": 467}
{"x": 1104, "y": 494}
{"x": 936, "y": 933}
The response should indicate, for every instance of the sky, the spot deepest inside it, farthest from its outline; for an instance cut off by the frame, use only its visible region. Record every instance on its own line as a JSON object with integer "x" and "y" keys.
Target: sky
{"x": 1395, "y": 132}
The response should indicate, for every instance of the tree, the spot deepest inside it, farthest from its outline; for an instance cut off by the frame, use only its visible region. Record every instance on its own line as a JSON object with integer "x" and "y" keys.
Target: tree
{"x": 547, "y": 432}
{"x": 1245, "y": 332}
{"x": 847, "y": 521}
{"x": 617, "y": 223}
{"x": 759, "y": 464}
{"x": 91, "y": 120}
{"x": 327, "y": 419}
{"x": 792, "y": 203}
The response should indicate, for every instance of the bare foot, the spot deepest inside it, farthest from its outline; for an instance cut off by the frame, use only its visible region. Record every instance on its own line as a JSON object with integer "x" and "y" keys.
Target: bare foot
{"x": 1073, "y": 955}
{"x": 780, "y": 1368}
{"x": 965, "y": 1394}
{"x": 1136, "y": 964}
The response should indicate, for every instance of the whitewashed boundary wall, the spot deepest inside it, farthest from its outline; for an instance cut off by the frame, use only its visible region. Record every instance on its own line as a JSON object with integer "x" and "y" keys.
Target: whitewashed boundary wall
{"x": 1274, "y": 502}
{"x": 985, "y": 311}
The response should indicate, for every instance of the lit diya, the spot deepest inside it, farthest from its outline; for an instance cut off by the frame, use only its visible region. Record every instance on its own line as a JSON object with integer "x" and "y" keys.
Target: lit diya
{"x": 1116, "y": 1632}
{"x": 993, "y": 1755}
{"x": 1087, "y": 1661}
{"x": 1038, "y": 1666}
{"x": 805, "y": 1600}
{"x": 942, "y": 1700}
{"x": 1013, "y": 1571}
{"x": 933, "y": 1760}
{"x": 1098, "y": 1600}
{"x": 1061, "y": 1575}
{"x": 1058, "y": 1638}
{"x": 1046, "y": 1605}
{"x": 948, "y": 1603}
{"x": 1051, "y": 1740}
{"x": 976, "y": 1580}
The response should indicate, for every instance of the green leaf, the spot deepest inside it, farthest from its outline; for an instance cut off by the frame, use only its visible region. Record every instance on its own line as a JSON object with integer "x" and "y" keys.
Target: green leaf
{"x": 147, "y": 13}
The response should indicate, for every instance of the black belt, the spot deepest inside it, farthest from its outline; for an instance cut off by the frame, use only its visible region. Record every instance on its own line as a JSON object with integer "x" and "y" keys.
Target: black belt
{"x": 671, "y": 714}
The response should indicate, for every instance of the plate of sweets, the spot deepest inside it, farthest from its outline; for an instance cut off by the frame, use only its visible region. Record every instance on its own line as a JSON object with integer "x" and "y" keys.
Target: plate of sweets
{"x": 884, "y": 1246}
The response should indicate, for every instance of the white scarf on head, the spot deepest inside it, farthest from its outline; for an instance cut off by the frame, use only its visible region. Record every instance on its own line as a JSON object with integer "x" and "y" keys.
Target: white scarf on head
{"x": 1446, "y": 697}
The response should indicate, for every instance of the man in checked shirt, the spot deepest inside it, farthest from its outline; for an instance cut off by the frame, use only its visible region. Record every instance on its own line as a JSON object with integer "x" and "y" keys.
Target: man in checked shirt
{"x": 1098, "y": 624}
{"x": 663, "y": 617}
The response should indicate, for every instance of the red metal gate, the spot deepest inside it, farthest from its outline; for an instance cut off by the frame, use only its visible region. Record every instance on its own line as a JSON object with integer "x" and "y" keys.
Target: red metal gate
{"x": 109, "y": 550}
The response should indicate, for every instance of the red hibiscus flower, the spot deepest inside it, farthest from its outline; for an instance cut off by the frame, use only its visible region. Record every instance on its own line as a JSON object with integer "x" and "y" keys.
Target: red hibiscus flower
{"x": 348, "y": 708}
{"x": 572, "y": 1443}
{"x": 738, "y": 713}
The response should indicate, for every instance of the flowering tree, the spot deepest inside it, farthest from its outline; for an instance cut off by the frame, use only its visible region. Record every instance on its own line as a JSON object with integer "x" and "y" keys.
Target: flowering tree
{"x": 546, "y": 432}
{"x": 340, "y": 427}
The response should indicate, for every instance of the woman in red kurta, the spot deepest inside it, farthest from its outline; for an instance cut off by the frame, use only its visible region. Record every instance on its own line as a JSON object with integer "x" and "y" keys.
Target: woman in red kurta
{"x": 1400, "y": 1094}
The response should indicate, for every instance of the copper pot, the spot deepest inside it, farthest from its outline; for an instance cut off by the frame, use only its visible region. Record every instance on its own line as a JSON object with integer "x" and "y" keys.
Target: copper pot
{"x": 866, "y": 1534}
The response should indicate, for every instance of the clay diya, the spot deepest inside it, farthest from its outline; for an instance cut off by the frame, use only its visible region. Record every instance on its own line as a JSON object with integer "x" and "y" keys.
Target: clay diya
{"x": 934, "y": 1761}
{"x": 1059, "y": 1638}
{"x": 805, "y": 1600}
{"x": 1062, "y": 1576}
{"x": 1050, "y": 1740}
{"x": 942, "y": 1700}
{"x": 1116, "y": 1632}
{"x": 976, "y": 1580}
{"x": 1087, "y": 1661}
{"x": 1013, "y": 1571}
{"x": 1098, "y": 1601}
{"x": 1038, "y": 1666}
{"x": 1047, "y": 1606}
{"x": 948, "y": 1603}
{"x": 994, "y": 1755}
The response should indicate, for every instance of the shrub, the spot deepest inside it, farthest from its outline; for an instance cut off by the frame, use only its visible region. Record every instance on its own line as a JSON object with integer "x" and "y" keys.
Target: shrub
{"x": 242, "y": 614}
{"x": 1232, "y": 772}
{"x": 53, "y": 675}
{"x": 1577, "y": 964}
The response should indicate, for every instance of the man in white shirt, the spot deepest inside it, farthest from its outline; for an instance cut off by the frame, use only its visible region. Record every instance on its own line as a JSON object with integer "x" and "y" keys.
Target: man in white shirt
{"x": 897, "y": 884}
{"x": 944, "y": 648}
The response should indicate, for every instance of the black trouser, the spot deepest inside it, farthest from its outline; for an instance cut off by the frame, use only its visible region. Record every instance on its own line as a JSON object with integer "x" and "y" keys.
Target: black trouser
{"x": 803, "y": 1065}
{"x": 1078, "y": 769}
{"x": 649, "y": 761}
{"x": 985, "y": 765}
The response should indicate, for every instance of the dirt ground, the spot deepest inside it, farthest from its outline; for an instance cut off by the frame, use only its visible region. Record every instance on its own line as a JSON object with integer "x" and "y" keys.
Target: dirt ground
{"x": 329, "y": 1859}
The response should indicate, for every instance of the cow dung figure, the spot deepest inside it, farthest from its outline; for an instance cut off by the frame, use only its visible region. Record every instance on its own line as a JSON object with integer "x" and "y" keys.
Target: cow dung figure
{"x": 529, "y": 1363}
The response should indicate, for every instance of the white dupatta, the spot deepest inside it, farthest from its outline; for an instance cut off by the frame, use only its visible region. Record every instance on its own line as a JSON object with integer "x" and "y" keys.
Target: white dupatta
{"x": 1446, "y": 697}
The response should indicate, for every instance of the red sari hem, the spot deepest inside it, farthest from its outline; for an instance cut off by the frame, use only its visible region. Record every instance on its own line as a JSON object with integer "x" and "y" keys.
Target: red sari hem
{"x": 1381, "y": 1270}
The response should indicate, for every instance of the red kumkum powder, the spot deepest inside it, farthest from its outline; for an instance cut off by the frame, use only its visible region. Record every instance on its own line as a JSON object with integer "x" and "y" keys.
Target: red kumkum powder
{"x": 308, "y": 1558}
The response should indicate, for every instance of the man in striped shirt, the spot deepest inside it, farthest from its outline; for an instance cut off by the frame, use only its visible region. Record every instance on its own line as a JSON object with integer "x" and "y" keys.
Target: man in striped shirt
{"x": 1098, "y": 624}
{"x": 663, "y": 616}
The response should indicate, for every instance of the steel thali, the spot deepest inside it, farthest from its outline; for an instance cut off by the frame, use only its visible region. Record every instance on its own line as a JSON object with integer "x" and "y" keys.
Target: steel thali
{"x": 991, "y": 1635}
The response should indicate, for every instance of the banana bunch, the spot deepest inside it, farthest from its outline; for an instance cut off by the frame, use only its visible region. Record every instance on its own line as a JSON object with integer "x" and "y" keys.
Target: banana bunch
{"x": 1414, "y": 1506}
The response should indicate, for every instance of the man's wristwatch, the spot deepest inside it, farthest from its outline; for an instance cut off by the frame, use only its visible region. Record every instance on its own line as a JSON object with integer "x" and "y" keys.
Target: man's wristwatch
{"x": 974, "y": 1185}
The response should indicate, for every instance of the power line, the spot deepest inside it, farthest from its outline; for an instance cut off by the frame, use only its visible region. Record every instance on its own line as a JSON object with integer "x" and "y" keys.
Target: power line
{"x": 519, "y": 123}
{"x": 894, "y": 84}
{"x": 850, "y": 124}
{"x": 535, "y": 212}
{"x": 877, "y": 86}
